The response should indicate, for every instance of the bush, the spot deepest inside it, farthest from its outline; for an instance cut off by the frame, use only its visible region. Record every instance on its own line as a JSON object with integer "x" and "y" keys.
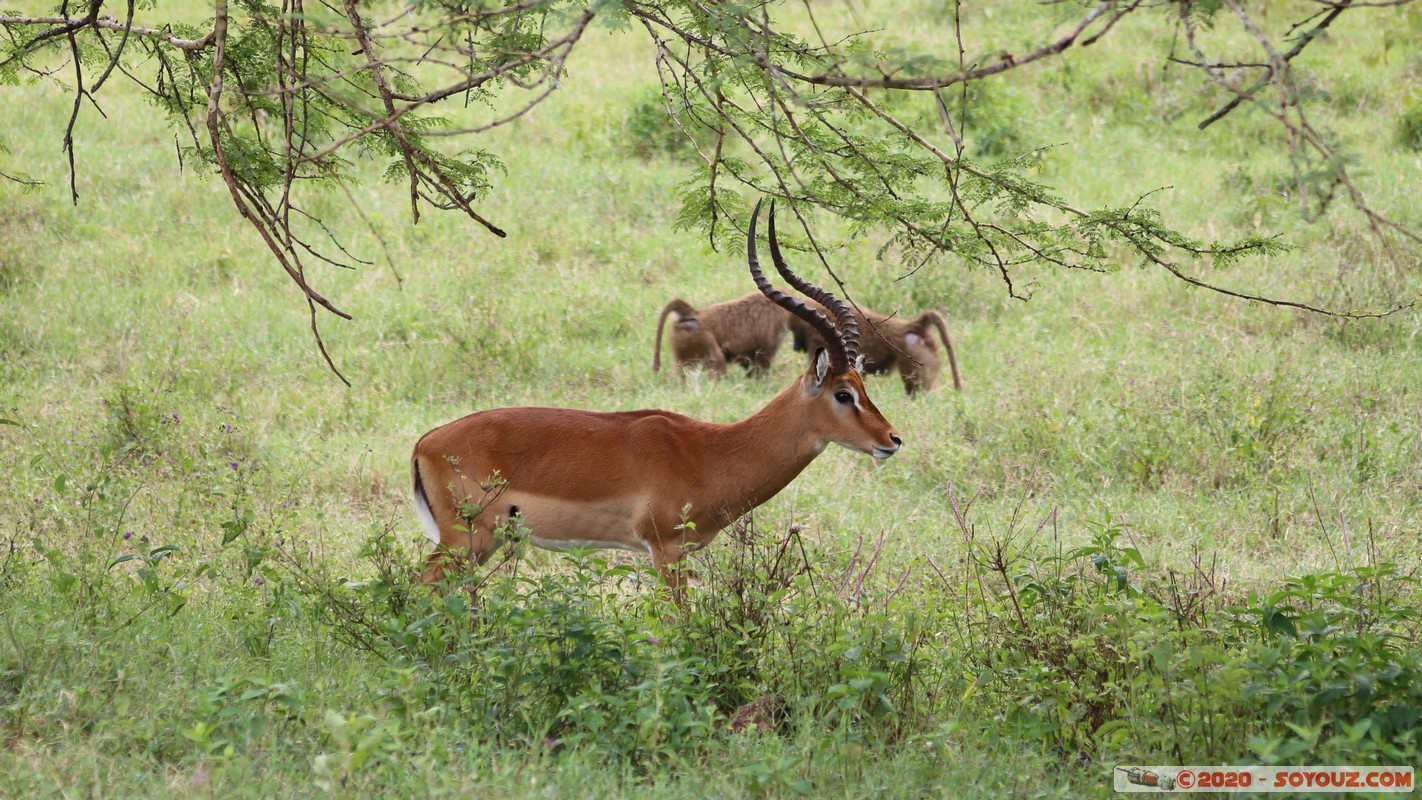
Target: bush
{"x": 651, "y": 130}
{"x": 1409, "y": 127}
{"x": 1092, "y": 654}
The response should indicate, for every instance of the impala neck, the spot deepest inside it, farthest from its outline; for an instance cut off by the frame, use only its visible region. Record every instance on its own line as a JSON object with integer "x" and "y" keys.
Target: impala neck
{"x": 761, "y": 454}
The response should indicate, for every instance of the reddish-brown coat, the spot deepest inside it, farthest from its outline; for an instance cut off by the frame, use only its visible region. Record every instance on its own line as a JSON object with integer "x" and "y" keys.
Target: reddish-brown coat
{"x": 631, "y": 479}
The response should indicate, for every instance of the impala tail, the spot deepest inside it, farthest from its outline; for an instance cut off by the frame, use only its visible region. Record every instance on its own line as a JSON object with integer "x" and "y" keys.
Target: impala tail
{"x": 422, "y": 504}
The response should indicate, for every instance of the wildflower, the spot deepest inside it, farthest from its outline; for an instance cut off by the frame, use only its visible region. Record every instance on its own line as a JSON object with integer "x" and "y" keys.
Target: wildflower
{"x": 128, "y": 534}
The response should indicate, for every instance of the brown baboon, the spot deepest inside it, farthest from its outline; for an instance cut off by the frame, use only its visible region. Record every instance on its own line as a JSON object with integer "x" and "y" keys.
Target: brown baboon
{"x": 889, "y": 342}
{"x": 746, "y": 331}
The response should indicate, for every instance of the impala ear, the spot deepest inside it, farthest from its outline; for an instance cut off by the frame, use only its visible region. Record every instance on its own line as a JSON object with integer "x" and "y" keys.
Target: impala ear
{"x": 821, "y": 365}
{"x": 859, "y": 364}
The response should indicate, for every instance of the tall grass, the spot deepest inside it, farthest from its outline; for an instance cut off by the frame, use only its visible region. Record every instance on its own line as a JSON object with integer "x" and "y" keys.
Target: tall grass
{"x": 207, "y": 545}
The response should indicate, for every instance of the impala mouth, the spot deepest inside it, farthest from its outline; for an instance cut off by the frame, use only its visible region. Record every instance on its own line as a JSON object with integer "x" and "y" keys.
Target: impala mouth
{"x": 882, "y": 453}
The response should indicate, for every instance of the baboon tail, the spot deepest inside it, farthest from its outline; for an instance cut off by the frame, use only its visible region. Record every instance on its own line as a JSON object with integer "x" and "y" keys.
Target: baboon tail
{"x": 937, "y": 320}
{"x": 657, "y": 349}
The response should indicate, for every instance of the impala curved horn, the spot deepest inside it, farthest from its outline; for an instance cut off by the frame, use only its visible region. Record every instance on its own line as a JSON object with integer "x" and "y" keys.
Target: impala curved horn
{"x": 845, "y": 320}
{"x": 841, "y": 360}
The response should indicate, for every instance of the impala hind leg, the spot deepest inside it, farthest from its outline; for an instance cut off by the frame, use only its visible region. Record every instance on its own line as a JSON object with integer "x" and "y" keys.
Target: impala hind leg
{"x": 463, "y": 551}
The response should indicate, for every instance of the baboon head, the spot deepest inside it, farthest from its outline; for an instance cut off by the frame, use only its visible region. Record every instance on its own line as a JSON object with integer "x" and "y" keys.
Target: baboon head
{"x": 891, "y": 343}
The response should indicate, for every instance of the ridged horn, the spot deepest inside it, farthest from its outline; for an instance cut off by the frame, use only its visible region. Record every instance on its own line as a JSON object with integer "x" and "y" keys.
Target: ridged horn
{"x": 845, "y": 321}
{"x": 840, "y": 360}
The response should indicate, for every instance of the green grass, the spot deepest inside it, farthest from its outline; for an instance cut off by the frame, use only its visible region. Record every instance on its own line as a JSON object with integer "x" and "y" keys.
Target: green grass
{"x": 1266, "y": 442}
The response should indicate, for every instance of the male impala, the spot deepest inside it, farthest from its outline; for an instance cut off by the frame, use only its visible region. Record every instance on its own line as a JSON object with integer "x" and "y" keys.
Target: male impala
{"x": 644, "y": 480}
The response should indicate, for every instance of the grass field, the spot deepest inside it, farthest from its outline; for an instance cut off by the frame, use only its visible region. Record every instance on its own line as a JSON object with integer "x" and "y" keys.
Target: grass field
{"x": 1192, "y": 536}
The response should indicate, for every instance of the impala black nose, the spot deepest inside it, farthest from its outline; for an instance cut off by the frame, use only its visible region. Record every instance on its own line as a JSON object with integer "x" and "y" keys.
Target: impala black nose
{"x": 894, "y": 437}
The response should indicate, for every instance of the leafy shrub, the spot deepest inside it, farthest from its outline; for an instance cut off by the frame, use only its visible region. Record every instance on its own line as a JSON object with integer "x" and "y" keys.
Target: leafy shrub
{"x": 1090, "y": 653}
{"x": 559, "y": 660}
{"x": 652, "y": 130}
{"x": 997, "y": 121}
{"x": 1409, "y": 126}
{"x": 1086, "y": 652}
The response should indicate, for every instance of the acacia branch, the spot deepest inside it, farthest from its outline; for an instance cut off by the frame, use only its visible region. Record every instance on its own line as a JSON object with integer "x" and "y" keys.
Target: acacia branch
{"x": 71, "y": 24}
{"x": 813, "y": 134}
{"x": 1140, "y": 245}
{"x": 214, "y": 130}
{"x": 1005, "y": 62}
{"x": 1304, "y": 41}
{"x": 392, "y": 122}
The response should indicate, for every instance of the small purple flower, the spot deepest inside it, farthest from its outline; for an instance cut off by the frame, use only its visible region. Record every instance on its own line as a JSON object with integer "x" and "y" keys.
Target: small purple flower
{"x": 257, "y": 581}
{"x": 654, "y": 639}
{"x": 233, "y": 465}
{"x": 128, "y": 534}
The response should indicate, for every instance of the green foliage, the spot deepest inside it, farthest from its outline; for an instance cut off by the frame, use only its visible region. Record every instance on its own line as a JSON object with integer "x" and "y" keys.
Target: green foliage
{"x": 1409, "y": 126}
{"x": 1096, "y": 654}
{"x": 297, "y": 102}
{"x": 998, "y": 121}
{"x": 1338, "y": 673}
{"x": 208, "y": 559}
{"x": 651, "y": 130}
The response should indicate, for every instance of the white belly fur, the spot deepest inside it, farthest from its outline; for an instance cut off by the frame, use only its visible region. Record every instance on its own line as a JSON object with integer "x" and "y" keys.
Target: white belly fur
{"x": 556, "y": 524}
{"x": 584, "y": 544}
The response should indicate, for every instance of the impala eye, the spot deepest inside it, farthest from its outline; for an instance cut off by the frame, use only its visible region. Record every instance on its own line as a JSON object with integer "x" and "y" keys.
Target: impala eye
{"x": 844, "y": 397}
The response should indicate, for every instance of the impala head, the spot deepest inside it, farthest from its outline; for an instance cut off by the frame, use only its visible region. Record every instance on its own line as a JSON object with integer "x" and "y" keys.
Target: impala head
{"x": 838, "y": 406}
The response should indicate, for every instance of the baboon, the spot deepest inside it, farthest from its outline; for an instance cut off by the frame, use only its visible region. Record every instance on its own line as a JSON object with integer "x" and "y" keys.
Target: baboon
{"x": 747, "y": 331}
{"x": 890, "y": 342}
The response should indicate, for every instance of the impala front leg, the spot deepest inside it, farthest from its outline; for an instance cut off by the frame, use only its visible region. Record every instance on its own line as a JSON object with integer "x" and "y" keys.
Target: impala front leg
{"x": 669, "y": 559}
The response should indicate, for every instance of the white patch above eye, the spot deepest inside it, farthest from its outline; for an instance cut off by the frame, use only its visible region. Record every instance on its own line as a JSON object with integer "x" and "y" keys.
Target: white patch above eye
{"x": 853, "y": 394}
